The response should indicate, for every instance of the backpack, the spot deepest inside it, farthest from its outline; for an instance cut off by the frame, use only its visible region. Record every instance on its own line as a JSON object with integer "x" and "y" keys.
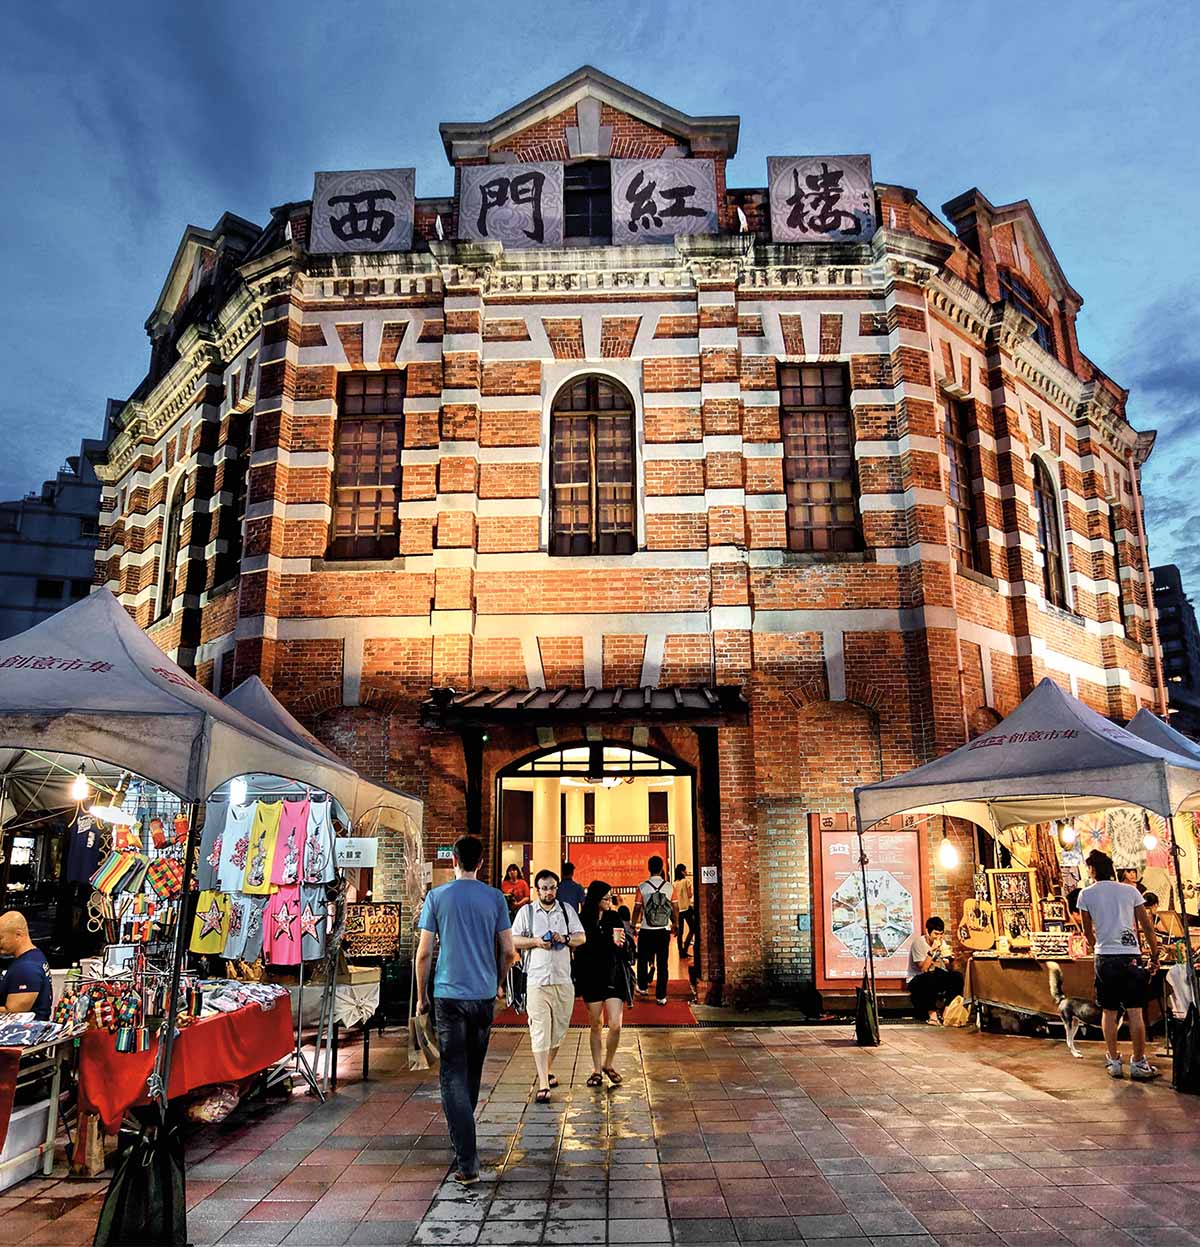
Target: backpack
{"x": 656, "y": 908}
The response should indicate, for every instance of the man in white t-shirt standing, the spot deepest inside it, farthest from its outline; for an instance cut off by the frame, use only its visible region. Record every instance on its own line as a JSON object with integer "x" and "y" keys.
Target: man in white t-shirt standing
{"x": 660, "y": 915}
{"x": 1111, "y": 913}
{"x": 546, "y": 931}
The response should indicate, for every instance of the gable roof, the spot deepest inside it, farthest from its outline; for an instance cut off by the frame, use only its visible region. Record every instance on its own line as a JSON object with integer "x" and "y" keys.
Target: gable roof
{"x": 229, "y": 230}
{"x": 472, "y": 139}
{"x": 1021, "y": 212}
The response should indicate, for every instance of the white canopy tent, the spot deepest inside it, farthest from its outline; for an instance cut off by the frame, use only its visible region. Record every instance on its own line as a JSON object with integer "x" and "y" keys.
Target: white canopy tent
{"x": 1053, "y": 757}
{"x": 373, "y": 803}
{"x": 1150, "y": 727}
{"x": 89, "y": 682}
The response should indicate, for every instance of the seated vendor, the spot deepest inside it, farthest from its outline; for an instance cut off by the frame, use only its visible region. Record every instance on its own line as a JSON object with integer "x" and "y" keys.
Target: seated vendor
{"x": 931, "y": 982}
{"x": 26, "y": 984}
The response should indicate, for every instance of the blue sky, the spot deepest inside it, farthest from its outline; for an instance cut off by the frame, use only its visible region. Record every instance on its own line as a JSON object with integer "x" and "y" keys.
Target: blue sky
{"x": 124, "y": 122}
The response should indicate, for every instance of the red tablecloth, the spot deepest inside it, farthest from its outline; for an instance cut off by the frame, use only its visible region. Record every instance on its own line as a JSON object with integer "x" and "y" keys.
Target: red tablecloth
{"x": 225, "y": 1048}
{"x": 10, "y": 1058}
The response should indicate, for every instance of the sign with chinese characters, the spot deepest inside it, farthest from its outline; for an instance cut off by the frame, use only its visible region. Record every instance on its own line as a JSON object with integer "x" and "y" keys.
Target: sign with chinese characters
{"x": 821, "y": 198}
{"x": 372, "y": 930}
{"x": 708, "y": 874}
{"x": 355, "y": 851}
{"x": 362, "y": 210}
{"x": 653, "y": 200}
{"x": 892, "y": 901}
{"x": 517, "y": 205}
{"x": 620, "y": 863}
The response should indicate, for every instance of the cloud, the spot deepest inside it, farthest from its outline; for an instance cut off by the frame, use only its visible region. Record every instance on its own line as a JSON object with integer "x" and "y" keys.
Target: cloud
{"x": 1161, "y": 368}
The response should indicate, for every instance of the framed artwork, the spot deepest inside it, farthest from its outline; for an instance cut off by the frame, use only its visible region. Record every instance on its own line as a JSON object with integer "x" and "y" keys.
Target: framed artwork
{"x": 1054, "y": 913}
{"x": 1014, "y": 899}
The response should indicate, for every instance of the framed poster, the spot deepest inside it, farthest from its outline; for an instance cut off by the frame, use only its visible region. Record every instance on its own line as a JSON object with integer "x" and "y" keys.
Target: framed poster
{"x": 1015, "y": 900}
{"x": 893, "y": 902}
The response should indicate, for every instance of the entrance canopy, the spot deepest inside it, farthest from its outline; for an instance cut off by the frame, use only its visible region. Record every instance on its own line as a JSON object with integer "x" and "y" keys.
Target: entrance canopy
{"x": 372, "y": 802}
{"x": 1053, "y": 757}
{"x": 700, "y": 704}
{"x": 90, "y": 683}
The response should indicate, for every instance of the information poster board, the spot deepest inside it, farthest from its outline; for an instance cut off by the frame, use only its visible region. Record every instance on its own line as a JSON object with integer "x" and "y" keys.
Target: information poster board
{"x": 372, "y": 930}
{"x": 621, "y": 863}
{"x": 893, "y": 895}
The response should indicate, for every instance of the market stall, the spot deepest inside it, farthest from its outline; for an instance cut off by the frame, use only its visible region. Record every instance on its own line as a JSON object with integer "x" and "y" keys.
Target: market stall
{"x": 95, "y": 718}
{"x": 1052, "y": 781}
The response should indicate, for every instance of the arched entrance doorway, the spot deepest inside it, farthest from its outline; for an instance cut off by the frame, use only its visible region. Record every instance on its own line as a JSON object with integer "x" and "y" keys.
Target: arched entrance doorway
{"x": 607, "y": 806}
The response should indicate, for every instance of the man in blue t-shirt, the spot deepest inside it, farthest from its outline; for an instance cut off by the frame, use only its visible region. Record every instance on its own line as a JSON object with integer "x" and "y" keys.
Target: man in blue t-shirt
{"x": 569, "y": 892}
{"x": 26, "y": 986}
{"x": 475, "y": 950}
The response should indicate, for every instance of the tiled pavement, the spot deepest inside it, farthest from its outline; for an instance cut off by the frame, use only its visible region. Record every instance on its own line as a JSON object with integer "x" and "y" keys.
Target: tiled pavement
{"x": 717, "y": 1136}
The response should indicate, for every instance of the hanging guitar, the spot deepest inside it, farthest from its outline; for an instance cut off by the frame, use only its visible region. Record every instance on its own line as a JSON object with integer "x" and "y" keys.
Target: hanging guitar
{"x": 977, "y": 926}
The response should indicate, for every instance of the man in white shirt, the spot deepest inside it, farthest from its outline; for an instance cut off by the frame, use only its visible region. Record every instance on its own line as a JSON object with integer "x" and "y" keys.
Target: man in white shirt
{"x": 546, "y": 931}
{"x": 660, "y": 916}
{"x": 932, "y": 982}
{"x": 1112, "y": 912}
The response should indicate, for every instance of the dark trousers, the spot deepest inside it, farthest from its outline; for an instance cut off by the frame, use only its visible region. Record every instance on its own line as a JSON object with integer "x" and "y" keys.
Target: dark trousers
{"x": 687, "y": 917}
{"x": 463, "y": 1030}
{"x": 654, "y": 945}
{"x": 934, "y": 990}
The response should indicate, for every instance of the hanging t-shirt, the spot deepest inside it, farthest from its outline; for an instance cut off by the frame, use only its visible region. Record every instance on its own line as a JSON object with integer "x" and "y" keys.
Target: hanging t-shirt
{"x": 208, "y": 855}
{"x": 319, "y": 865}
{"x": 314, "y": 921}
{"x": 281, "y": 927}
{"x": 234, "y": 846}
{"x": 289, "y": 846}
{"x": 245, "y": 939}
{"x": 83, "y": 850}
{"x": 263, "y": 834}
{"x": 211, "y": 927}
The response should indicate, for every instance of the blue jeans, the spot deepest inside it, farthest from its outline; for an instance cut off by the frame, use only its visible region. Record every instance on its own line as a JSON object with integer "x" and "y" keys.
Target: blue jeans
{"x": 463, "y": 1030}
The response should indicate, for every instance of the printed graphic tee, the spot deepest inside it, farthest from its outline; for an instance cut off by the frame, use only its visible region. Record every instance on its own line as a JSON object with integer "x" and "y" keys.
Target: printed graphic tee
{"x": 209, "y": 856}
{"x": 289, "y": 844}
{"x": 1111, "y": 906}
{"x": 281, "y": 927}
{"x": 211, "y": 927}
{"x": 263, "y": 834}
{"x": 234, "y": 846}
{"x": 319, "y": 864}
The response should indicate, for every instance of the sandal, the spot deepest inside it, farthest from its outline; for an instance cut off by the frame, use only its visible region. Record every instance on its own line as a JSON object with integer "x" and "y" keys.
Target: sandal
{"x": 543, "y": 1095}
{"x": 613, "y": 1076}
{"x": 552, "y": 1080}
{"x": 595, "y": 1080}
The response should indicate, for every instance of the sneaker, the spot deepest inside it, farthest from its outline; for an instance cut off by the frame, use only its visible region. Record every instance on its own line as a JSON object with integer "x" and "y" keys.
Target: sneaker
{"x": 661, "y": 1003}
{"x": 1142, "y": 1071}
{"x": 1115, "y": 1068}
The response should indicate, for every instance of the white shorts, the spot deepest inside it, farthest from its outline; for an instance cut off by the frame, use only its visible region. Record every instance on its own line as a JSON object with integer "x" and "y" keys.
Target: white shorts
{"x": 550, "y": 1006}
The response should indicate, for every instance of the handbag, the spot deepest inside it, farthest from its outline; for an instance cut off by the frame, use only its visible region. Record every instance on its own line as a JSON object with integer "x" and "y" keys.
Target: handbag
{"x": 145, "y": 1200}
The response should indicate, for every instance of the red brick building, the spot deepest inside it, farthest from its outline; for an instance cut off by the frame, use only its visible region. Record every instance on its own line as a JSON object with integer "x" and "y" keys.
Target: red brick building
{"x": 781, "y": 516}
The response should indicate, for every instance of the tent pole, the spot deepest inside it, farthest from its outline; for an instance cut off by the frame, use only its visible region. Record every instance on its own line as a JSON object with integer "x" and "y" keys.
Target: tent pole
{"x": 1176, "y": 853}
{"x": 862, "y": 866}
{"x": 161, "y": 1077}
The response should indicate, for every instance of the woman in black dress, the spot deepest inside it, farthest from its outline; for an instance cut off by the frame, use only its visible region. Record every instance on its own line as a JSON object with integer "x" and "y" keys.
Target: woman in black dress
{"x": 603, "y": 978}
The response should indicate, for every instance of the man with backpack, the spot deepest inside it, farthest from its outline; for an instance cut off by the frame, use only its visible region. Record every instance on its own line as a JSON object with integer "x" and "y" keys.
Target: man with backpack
{"x": 660, "y": 915}
{"x": 545, "y": 932}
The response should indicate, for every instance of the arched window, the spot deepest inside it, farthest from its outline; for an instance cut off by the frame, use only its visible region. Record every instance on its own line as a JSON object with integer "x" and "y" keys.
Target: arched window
{"x": 964, "y": 503}
{"x": 170, "y": 552}
{"x": 591, "y": 469}
{"x": 1116, "y": 552}
{"x": 1049, "y": 535}
{"x": 232, "y": 514}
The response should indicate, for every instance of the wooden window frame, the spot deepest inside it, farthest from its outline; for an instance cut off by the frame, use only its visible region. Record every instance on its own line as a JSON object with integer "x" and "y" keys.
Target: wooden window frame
{"x": 1116, "y": 554}
{"x": 591, "y": 182}
{"x": 817, "y": 418}
{"x": 172, "y": 532}
{"x": 382, "y": 415}
{"x": 1015, "y": 291}
{"x": 966, "y": 519}
{"x": 567, "y": 537}
{"x": 1050, "y": 537}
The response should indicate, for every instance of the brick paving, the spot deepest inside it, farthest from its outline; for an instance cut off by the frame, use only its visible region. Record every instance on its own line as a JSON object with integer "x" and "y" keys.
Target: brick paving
{"x": 730, "y": 1135}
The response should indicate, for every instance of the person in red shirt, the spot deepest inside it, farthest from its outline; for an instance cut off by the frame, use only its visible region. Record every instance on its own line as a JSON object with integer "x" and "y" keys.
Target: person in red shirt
{"x": 515, "y": 889}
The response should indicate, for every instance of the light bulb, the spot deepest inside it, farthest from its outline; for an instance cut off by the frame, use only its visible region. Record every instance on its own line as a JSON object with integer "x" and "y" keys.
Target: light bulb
{"x": 1069, "y": 835}
{"x": 1150, "y": 842}
{"x": 947, "y": 854}
{"x": 80, "y": 787}
{"x": 237, "y": 791}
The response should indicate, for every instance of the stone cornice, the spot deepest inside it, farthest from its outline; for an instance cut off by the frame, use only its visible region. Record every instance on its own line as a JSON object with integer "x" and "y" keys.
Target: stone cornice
{"x": 1098, "y": 409}
{"x": 960, "y": 305}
